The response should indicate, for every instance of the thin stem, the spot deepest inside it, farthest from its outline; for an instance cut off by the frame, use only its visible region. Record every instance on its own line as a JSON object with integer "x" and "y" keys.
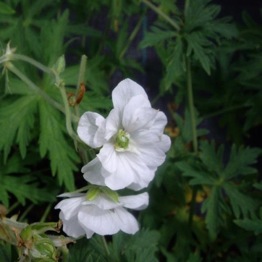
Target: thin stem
{"x": 191, "y": 105}
{"x": 67, "y": 113}
{"x": 47, "y": 211}
{"x": 34, "y": 87}
{"x": 162, "y": 14}
{"x": 23, "y": 216}
{"x": 32, "y": 62}
{"x": 194, "y": 130}
{"x": 131, "y": 38}
{"x": 225, "y": 110}
{"x": 105, "y": 245}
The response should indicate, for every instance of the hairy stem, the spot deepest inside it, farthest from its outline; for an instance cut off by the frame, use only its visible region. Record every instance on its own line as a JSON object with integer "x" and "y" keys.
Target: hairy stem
{"x": 191, "y": 105}
{"x": 105, "y": 245}
{"x": 162, "y": 14}
{"x": 193, "y": 128}
{"x": 33, "y": 86}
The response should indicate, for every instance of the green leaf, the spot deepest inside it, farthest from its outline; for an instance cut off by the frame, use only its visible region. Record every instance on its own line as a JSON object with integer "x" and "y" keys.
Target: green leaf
{"x": 198, "y": 177}
{"x": 140, "y": 247}
{"x": 156, "y": 36}
{"x": 210, "y": 157}
{"x": 211, "y": 207}
{"x": 254, "y": 225}
{"x": 240, "y": 203}
{"x": 16, "y": 122}
{"x": 240, "y": 161}
{"x": 198, "y": 46}
{"x": 53, "y": 142}
{"x": 6, "y": 9}
{"x": 23, "y": 187}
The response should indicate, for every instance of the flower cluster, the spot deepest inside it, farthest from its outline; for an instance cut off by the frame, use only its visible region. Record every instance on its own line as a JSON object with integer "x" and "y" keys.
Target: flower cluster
{"x": 132, "y": 146}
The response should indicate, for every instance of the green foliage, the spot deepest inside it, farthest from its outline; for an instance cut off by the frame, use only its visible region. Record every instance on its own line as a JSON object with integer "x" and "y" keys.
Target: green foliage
{"x": 223, "y": 181}
{"x": 140, "y": 247}
{"x": 17, "y": 180}
{"x": 205, "y": 201}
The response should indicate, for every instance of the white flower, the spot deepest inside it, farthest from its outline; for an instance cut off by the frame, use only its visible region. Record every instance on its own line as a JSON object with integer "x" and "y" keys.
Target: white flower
{"x": 131, "y": 139}
{"x": 101, "y": 215}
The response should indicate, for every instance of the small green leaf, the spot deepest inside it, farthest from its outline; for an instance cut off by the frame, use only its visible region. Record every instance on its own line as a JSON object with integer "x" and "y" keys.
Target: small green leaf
{"x": 93, "y": 192}
{"x": 254, "y": 225}
{"x": 110, "y": 193}
{"x": 6, "y": 9}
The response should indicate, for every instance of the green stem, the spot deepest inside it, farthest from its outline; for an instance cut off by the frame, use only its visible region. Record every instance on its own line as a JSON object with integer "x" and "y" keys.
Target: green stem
{"x": 162, "y": 14}
{"x": 224, "y": 110}
{"x": 33, "y": 86}
{"x": 32, "y": 62}
{"x": 105, "y": 245}
{"x": 47, "y": 211}
{"x": 131, "y": 38}
{"x": 24, "y": 215}
{"x": 194, "y": 130}
{"x": 68, "y": 114}
{"x": 191, "y": 105}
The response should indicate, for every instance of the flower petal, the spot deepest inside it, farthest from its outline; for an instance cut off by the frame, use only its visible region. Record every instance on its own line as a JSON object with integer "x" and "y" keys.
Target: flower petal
{"x": 126, "y": 221}
{"x": 102, "y": 222}
{"x": 130, "y": 169}
{"x": 137, "y": 202}
{"x": 91, "y": 129}
{"x": 69, "y": 207}
{"x": 103, "y": 202}
{"x": 93, "y": 172}
{"x": 71, "y": 226}
{"x": 124, "y": 91}
{"x": 108, "y": 157}
{"x": 113, "y": 123}
{"x": 137, "y": 113}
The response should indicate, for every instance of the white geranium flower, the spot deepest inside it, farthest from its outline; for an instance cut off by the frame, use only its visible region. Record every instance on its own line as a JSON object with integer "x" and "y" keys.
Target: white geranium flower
{"x": 102, "y": 215}
{"x": 131, "y": 139}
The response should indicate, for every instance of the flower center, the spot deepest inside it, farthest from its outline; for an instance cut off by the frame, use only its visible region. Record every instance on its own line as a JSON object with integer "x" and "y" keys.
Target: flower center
{"x": 122, "y": 140}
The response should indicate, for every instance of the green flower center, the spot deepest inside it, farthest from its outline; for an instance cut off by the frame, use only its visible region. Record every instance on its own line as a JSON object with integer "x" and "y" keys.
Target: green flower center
{"x": 122, "y": 140}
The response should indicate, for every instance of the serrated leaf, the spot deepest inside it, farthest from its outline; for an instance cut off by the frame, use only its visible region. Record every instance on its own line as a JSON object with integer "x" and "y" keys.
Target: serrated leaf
{"x": 254, "y": 225}
{"x": 198, "y": 177}
{"x": 198, "y": 46}
{"x": 156, "y": 36}
{"x": 23, "y": 187}
{"x": 16, "y": 122}
{"x": 241, "y": 204}
{"x": 140, "y": 247}
{"x": 211, "y": 158}
{"x": 53, "y": 142}
{"x": 240, "y": 161}
{"x": 211, "y": 207}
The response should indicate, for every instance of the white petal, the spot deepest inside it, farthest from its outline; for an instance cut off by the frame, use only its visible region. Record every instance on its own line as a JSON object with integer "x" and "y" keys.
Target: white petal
{"x": 159, "y": 122}
{"x": 69, "y": 207}
{"x": 124, "y": 91}
{"x": 71, "y": 226}
{"x": 130, "y": 169}
{"x": 102, "y": 222}
{"x": 108, "y": 157}
{"x": 113, "y": 123}
{"x": 93, "y": 172}
{"x": 126, "y": 221}
{"x": 137, "y": 202}
{"x": 91, "y": 129}
{"x": 165, "y": 143}
{"x": 137, "y": 114}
